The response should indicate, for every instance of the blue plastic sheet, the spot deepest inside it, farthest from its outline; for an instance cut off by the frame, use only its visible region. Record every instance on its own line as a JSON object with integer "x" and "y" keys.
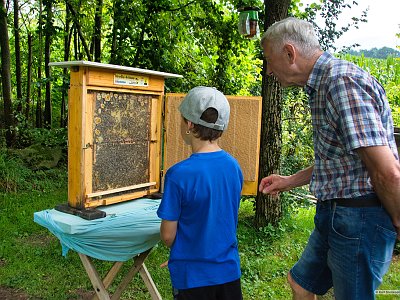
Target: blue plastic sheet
{"x": 128, "y": 229}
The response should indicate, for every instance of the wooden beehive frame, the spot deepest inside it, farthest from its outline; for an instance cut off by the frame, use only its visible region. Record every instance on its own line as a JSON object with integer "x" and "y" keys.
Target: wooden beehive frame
{"x": 88, "y": 79}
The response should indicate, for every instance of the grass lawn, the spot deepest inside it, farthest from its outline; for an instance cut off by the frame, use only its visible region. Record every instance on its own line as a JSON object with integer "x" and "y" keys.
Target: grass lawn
{"x": 32, "y": 267}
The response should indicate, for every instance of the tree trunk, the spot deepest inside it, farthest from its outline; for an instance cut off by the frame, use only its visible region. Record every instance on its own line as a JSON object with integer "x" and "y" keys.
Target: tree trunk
{"x": 269, "y": 209}
{"x": 48, "y": 37}
{"x": 76, "y": 43}
{"x": 116, "y": 16}
{"x": 17, "y": 57}
{"x": 28, "y": 78}
{"x": 6, "y": 77}
{"x": 39, "y": 76}
{"x": 97, "y": 31}
{"x": 141, "y": 39}
{"x": 67, "y": 45}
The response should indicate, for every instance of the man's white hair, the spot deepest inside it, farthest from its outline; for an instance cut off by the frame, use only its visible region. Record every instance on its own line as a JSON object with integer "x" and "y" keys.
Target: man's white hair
{"x": 294, "y": 31}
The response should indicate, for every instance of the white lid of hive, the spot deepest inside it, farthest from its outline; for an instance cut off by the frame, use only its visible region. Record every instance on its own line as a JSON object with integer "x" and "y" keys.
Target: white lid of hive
{"x": 83, "y": 63}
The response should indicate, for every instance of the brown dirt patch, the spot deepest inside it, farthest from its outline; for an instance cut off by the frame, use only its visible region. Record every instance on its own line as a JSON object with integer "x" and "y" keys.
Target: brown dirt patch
{"x": 7, "y": 293}
{"x": 2, "y": 262}
{"x": 39, "y": 239}
{"x": 81, "y": 294}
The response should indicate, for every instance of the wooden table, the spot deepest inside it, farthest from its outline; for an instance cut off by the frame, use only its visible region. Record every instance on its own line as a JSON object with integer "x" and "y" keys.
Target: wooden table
{"x": 126, "y": 235}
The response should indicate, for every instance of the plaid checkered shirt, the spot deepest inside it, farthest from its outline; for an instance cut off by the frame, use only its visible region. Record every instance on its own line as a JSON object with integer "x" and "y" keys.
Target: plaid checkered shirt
{"x": 349, "y": 110}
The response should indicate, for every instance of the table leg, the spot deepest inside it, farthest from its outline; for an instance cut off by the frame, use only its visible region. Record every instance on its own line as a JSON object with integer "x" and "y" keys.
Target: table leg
{"x": 97, "y": 283}
{"x": 148, "y": 281}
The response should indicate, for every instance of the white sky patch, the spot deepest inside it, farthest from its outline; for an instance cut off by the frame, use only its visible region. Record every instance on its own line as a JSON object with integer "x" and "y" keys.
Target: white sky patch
{"x": 383, "y": 21}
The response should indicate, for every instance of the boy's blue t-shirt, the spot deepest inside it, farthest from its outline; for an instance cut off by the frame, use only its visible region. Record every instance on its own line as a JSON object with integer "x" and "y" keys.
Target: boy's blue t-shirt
{"x": 203, "y": 193}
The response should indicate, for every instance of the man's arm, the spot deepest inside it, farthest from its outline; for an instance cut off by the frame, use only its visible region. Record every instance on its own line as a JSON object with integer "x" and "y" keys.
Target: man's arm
{"x": 274, "y": 183}
{"x": 168, "y": 232}
{"x": 384, "y": 171}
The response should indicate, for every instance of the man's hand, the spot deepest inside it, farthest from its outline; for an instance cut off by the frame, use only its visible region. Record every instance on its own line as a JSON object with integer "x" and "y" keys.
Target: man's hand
{"x": 273, "y": 184}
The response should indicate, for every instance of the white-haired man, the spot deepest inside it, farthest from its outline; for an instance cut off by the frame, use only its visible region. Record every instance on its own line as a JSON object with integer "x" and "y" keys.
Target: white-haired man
{"x": 356, "y": 173}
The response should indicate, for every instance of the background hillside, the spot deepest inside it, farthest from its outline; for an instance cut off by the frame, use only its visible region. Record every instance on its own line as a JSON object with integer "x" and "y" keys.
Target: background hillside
{"x": 383, "y": 52}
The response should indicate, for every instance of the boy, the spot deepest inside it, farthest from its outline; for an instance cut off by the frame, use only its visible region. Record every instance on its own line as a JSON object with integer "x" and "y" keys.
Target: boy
{"x": 199, "y": 209}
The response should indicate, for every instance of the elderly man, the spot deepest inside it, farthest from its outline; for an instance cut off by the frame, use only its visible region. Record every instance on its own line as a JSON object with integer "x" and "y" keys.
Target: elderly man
{"x": 356, "y": 173}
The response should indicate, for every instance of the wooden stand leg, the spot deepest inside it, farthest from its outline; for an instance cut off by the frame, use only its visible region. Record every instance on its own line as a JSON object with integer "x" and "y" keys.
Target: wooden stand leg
{"x": 110, "y": 276}
{"x": 138, "y": 262}
{"x": 148, "y": 281}
{"x": 97, "y": 283}
{"x": 100, "y": 286}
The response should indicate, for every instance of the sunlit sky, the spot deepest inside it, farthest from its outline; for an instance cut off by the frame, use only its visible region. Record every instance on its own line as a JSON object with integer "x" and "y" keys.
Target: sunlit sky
{"x": 383, "y": 21}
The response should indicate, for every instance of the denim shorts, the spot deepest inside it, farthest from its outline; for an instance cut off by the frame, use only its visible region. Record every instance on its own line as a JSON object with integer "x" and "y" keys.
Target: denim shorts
{"x": 349, "y": 249}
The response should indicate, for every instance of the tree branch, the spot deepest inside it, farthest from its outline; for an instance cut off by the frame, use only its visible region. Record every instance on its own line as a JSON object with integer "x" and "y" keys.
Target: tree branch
{"x": 78, "y": 27}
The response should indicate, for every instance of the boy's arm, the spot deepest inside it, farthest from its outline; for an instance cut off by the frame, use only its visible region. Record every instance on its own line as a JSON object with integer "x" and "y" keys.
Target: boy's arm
{"x": 168, "y": 232}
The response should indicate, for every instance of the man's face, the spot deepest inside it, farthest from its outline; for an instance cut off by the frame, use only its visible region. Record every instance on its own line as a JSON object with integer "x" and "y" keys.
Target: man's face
{"x": 278, "y": 64}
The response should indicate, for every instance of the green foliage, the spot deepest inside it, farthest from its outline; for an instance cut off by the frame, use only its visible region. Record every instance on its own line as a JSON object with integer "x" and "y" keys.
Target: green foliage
{"x": 50, "y": 138}
{"x": 383, "y": 52}
{"x": 12, "y": 173}
{"x": 297, "y": 148}
{"x": 198, "y": 39}
{"x": 27, "y": 169}
{"x": 17, "y": 176}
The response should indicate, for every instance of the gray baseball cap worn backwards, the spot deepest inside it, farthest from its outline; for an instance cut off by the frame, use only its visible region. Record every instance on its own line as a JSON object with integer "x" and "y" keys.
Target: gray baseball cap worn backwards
{"x": 198, "y": 100}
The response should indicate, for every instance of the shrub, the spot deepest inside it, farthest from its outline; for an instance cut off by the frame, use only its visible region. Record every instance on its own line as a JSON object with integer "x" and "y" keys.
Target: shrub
{"x": 16, "y": 176}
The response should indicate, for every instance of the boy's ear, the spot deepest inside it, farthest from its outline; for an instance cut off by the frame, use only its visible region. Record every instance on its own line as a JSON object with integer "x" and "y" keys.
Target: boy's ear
{"x": 190, "y": 125}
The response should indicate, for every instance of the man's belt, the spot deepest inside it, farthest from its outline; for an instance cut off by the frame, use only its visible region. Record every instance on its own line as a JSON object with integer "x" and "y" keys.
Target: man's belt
{"x": 369, "y": 200}
{"x": 354, "y": 202}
